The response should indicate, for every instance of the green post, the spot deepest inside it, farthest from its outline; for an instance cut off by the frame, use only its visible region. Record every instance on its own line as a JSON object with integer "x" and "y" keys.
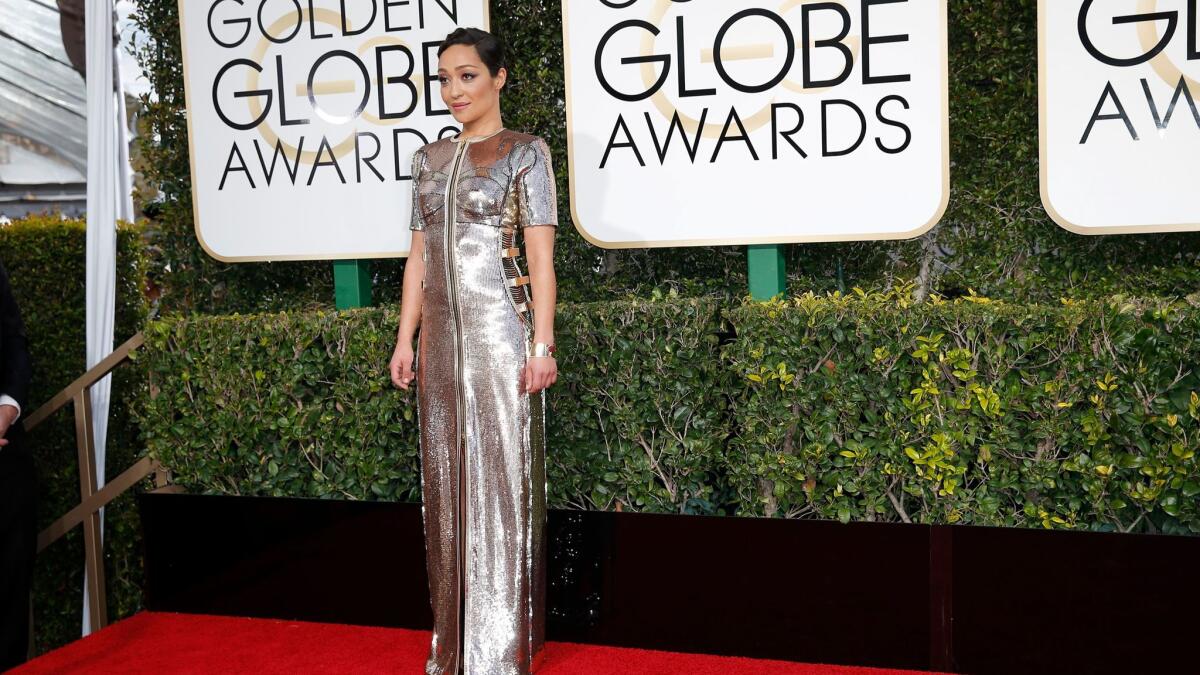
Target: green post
{"x": 352, "y": 283}
{"x": 767, "y": 270}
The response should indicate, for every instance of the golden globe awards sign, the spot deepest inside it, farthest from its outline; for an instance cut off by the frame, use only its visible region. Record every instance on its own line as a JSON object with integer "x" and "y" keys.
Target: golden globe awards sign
{"x": 716, "y": 122}
{"x": 1120, "y": 123}
{"x": 303, "y": 117}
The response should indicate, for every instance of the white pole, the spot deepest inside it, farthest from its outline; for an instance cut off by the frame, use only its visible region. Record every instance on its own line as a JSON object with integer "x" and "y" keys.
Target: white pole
{"x": 103, "y": 178}
{"x": 124, "y": 168}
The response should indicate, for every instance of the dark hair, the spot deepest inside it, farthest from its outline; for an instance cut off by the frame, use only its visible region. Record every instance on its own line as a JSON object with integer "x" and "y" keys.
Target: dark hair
{"x": 489, "y": 47}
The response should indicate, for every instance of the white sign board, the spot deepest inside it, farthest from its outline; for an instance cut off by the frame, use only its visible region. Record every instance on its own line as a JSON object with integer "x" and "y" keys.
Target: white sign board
{"x": 303, "y": 117}
{"x": 715, "y": 122}
{"x": 1120, "y": 123}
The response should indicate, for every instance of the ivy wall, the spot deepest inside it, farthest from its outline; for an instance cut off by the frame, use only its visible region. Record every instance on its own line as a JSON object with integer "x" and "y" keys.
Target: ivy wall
{"x": 995, "y": 239}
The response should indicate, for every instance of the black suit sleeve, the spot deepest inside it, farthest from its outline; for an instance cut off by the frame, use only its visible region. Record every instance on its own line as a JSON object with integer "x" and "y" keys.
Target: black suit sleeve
{"x": 15, "y": 368}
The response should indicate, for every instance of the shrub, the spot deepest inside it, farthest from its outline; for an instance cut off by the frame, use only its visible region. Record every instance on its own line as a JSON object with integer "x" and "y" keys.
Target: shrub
{"x": 46, "y": 260}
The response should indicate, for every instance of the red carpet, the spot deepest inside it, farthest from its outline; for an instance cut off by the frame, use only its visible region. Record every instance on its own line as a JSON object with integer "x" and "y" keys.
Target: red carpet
{"x": 163, "y": 642}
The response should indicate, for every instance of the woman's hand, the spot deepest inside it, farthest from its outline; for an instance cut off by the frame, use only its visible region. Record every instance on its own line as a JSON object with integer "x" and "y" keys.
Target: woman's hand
{"x": 539, "y": 372}
{"x": 401, "y": 365}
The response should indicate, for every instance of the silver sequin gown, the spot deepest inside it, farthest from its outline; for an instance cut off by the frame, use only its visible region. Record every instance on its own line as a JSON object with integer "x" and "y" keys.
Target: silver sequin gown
{"x": 482, "y": 440}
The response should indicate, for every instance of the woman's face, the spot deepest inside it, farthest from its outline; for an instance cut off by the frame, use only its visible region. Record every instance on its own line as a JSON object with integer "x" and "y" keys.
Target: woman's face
{"x": 468, "y": 89}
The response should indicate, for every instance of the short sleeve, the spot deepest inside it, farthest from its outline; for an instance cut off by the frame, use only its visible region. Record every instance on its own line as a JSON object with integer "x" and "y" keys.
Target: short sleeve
{"x": 415, "y": 221}
{"x": 536, "y": 192}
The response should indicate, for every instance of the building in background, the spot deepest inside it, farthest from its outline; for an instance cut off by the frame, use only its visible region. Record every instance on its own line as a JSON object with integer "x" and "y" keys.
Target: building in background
{"x": 43, "y": 104}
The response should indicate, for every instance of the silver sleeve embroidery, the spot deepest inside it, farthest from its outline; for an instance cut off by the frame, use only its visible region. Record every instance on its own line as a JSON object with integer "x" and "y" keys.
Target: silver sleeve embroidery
{"x": 536, "y": 191}
{"x": 415, "y": 221}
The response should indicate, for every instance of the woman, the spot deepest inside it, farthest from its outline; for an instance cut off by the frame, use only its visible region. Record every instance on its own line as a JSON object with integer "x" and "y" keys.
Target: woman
{"x": 484, "y": 360}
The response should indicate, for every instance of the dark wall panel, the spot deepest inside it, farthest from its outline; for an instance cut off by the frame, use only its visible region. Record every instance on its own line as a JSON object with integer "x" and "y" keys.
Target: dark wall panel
{"x": 967, "y": 599}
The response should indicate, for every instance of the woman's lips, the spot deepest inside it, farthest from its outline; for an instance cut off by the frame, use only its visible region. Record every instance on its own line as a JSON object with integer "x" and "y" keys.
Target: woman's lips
{"x": 459, "y": 106}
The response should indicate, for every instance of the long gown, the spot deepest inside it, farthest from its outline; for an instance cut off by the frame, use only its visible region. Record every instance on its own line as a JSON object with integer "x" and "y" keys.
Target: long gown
{"x": 482, "y": 440}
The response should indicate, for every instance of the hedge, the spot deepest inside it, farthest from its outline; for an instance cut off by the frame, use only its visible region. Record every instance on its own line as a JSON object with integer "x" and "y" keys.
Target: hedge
{"x": 995, "y": 237}
{"x": 636, "y": 419}
{"x": 856, "y": 407}
{"x": 301, "y": 405}
{"x": 279, "y": 405}
{"x": 46, "y": 261}
{"x": 975, "y": 411}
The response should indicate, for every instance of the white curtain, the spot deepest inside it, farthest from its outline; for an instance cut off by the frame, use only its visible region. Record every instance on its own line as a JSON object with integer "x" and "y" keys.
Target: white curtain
{"x": 108, "y": 198}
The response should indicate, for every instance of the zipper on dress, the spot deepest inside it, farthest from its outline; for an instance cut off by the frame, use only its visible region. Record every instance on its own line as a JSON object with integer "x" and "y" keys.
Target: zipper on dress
{"x": 451, "y": 210}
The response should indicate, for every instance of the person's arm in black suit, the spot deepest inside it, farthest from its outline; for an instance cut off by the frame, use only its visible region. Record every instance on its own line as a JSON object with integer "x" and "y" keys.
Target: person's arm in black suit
{"x": 15, "y": 369}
